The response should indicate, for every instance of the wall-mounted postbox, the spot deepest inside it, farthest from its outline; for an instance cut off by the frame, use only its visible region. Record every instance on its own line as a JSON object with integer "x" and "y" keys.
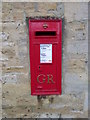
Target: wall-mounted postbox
{"x": 45, "y": 56}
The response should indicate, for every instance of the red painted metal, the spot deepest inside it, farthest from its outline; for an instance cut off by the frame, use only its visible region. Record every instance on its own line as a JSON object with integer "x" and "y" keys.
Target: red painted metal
{"x": 45, "y": 77}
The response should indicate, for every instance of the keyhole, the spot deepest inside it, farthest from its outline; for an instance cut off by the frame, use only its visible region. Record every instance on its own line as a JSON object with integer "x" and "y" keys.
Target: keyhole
{"x": 39, "y": 67}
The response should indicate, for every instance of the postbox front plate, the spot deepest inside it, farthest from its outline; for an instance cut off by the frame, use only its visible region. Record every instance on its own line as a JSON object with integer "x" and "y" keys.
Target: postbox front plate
{"x": 45, "y": 56}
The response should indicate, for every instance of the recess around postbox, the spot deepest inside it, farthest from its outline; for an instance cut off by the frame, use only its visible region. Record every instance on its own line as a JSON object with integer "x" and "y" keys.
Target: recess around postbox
{"x": 45, "y": 40}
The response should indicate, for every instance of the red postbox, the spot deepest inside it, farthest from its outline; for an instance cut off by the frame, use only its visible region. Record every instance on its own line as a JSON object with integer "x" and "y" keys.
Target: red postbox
{"x": 45, "y": 40}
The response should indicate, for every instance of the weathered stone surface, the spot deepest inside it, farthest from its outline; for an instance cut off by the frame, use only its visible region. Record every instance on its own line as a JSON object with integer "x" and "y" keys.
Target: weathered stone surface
{"x": 16, "y": 102}
{"x": 73, "y": 14}
{"x": 4, "y": 36}
{"x": 7, "y": 6}
{"x": 76, "y": 31}
{"x": 59, "y": 10}
{"x": 0, "y": 98}
{"x": 86, "y": 100}
{"x": 43, "y": 6}
{"x": 81, "y": 47}
{"x": 17, "y": 99}
{"x": 75, "y": 65}
{"x": 29, "y": 6}
{"x": 76, "y": 82}
{"x": 46, "y": 115}
{"x": 18, "y": 6}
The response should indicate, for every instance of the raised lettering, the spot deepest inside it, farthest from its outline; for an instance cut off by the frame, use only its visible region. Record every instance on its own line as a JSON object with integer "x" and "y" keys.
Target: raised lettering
{"x": 50, "y": 78}
{"x": 43, "y": 78}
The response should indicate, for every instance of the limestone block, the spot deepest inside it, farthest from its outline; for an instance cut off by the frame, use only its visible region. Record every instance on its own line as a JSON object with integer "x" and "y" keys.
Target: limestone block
{"x": 76, "y": 31}
{"x": 9, "y": 52}
{"x": 10, "y": 44}
{"x": 9, "y": 78}
{"x": 20, "y": 98}
{"x": 6, "y": 7}
{"x": 4, "y": 59}
{"x": 68, "y": 116}
{"x": 59, "y": 10}
{"x": 77, "y": 25}
{"x": 7, "y": 17}
{"x": 47, "y": 6}
{"x": 82, "y": 56}
{"x": 80, "y": 35}
{"x": 18, "y": 6}
{"x": 29, "y": 6}
{"x": 77, "y": 47}
{"x": 30, "y": 14}
{"x": 15, "y": 77}
{"x": 74, "y": 65}
{"x": 16, "y": 62}
{"x": 4, "y": 36}
{"x": 18, "y": 15}
{"x": 12, "y": 11}
{"x": 75, "y": 83}
{"x": 10, "y": 26}
{"x": 48, "y": 115}
{"x": 16, "y": 32}
{"x": 39, "y": 9}
{"x": 13, "y": 69}
{"x": 76, "y": 11}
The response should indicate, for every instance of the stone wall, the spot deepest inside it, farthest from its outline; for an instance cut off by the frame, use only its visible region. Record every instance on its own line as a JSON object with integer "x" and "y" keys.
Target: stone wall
{"x": 17, "y": 101}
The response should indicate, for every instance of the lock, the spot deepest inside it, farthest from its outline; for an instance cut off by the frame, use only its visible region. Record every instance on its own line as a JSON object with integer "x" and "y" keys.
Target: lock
{"x": 39, "y": 68}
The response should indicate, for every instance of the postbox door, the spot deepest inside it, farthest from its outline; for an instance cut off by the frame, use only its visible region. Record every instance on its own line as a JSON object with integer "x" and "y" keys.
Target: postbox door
{"x": 45, "y": 56}
{"x": 45, "y": 68}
